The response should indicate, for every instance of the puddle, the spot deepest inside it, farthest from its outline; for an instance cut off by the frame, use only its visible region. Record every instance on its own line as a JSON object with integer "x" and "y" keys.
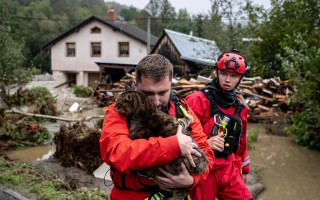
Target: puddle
{"x": 32, "y": 153}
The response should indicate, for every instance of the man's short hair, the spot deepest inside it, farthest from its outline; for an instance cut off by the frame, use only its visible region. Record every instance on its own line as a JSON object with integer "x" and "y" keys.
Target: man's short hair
{"x": 154, "y": 66}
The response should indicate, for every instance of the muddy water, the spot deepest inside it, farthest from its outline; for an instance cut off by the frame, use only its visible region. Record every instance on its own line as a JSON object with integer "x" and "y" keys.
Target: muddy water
{"x": 32, "y": 153}
{"x": 288, "y": 171}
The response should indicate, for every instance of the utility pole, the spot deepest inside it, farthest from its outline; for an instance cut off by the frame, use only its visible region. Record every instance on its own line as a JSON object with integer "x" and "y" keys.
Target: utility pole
{"x": 148, "y": 35}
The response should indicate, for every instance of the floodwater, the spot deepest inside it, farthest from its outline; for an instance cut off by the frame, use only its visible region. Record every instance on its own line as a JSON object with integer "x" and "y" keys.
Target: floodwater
{"x": 32, "y": 153}
{"x": 288, "y": 171}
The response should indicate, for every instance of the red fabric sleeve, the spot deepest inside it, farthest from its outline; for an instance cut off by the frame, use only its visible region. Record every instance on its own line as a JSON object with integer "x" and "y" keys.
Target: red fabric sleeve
{"x": 243, "y": 147}
{"x": 119, "y": 151}
{"x": 201, "y": 107}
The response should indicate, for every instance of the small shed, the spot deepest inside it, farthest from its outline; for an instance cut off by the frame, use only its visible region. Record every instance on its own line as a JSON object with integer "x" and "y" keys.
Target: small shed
{"x": 188, "y": 54}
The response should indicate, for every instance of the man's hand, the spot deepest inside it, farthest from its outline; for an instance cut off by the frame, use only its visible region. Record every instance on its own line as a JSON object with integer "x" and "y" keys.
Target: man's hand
{"x": 169, "y": 182}
{"x": 187, "y": 146}
{"x": 216, "y": 142}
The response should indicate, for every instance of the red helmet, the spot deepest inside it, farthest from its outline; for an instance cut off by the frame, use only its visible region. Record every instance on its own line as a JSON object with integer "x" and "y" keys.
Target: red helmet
{"x": 232, "y": 61}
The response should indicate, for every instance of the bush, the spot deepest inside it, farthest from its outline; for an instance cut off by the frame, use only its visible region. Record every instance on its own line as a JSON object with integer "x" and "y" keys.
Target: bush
{"x": 82, "y": 91}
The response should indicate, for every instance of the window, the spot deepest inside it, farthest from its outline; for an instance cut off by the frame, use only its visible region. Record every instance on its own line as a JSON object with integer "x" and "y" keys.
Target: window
{"x": 123, "y": 49}
{"x": 71, "y": 49}
{"x": 95, "y": 30}
{"x": 95, "y": 49}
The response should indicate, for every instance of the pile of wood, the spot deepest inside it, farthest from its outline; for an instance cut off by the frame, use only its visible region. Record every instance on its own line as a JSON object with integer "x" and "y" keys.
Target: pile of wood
{"x": 266, "y": 98}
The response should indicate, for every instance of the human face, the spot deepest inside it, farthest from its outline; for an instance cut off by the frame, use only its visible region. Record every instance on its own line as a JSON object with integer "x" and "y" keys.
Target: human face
{"x": 228, "y": 80}
{"x": 157, "y": 92}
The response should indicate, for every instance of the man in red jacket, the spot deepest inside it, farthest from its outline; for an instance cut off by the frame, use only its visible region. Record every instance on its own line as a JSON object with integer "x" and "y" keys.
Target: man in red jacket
{"x": 126, "y": 157}
{"x": 224, "y": 119}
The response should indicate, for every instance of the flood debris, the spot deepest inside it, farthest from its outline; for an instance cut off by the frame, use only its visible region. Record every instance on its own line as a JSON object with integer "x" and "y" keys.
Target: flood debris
{"x": 38, "y": 99}
{"x": 78, "y": 145}
{"x": 21, "y": 131}
{"x": 266, "y": 98}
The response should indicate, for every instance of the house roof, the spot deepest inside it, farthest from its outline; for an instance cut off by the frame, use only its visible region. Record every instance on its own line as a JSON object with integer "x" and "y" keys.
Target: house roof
{"x": 121, "y": 26}
{"x": 194, "y": 49}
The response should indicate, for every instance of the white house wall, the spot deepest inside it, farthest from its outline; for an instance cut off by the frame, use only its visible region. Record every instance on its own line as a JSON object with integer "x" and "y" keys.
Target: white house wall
{"x": 83, "y": 63}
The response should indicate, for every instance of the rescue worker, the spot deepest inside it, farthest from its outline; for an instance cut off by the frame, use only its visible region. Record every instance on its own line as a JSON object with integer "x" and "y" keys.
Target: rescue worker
{"x": 126, "y": 157}
{"x": 224, "y": 120}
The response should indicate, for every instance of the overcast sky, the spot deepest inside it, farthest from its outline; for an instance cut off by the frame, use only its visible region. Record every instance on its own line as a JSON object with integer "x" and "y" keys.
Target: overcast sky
{"x": 192, "y": 6}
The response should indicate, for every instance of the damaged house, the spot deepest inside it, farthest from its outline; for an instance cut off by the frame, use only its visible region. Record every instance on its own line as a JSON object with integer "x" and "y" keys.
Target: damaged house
{"x": 187, "y": 53}
{"x": 97, "y": 49}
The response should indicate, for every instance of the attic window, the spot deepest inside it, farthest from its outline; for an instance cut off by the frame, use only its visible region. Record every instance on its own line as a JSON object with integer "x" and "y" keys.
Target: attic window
{"x": 95, "y": 30}
{"x": 71, "y": 49}
{"x": 123, "y": 49}
{"x": 96, "y": 49}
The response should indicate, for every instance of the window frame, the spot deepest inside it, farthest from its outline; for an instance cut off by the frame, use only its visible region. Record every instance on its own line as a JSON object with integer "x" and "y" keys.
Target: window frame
{"x": 93, "y": 45}
{"x": 123, "y": 52}
{"x": 70, "y": 52}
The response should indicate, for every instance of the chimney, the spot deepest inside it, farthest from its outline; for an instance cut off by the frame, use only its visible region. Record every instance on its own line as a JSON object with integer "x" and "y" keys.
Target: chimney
{"x": 112, "y": 15}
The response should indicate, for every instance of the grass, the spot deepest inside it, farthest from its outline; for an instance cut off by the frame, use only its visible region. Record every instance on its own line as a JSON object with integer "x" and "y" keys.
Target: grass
{"x": 253, "y": 135}
{"x": 27, "y": 180}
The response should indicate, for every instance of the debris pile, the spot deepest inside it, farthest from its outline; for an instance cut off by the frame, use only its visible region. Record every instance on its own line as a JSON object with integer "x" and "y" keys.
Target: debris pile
{"x": 78, "y": 145}
{"x": 20, "y": 131}
{"x": 266, "y": 98}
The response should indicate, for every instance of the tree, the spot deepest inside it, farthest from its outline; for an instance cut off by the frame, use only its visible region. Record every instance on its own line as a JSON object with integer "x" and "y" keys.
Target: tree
{"x": 12, "y": 74}
{"x": 284, "y": 19}
{"x": 129, "y": 14}
{"x": 303, "y": 63}
{"x": 182, "y": 23}
{"x": 161, "y": 13}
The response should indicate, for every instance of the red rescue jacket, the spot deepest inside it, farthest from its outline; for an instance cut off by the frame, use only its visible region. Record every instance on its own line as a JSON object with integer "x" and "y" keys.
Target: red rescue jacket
{"x": 125, "y": 156}
{"x": 201, "y": 106}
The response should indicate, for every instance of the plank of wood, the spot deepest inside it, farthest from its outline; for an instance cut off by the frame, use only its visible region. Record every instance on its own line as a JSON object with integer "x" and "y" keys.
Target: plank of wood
{"x": 264, "y": 107}
{"x": 246, "y": 91}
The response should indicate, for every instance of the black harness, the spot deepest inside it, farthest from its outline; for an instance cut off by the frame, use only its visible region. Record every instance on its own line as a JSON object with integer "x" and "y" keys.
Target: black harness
{"x": 234, "y": 126}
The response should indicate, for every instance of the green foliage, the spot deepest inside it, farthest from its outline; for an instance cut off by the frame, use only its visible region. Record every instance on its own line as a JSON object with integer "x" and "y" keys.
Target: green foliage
{"x": 129, "y": 14}
{"x": 82, "y": 91}
{"x": 12, "y": 74}
{"x": 279, "y": 30}
{"x": 306, "y": 101}
{"x": 252, "y": 136}
{"x": 161, "y": 12}
{"x": 26, "y": 179}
